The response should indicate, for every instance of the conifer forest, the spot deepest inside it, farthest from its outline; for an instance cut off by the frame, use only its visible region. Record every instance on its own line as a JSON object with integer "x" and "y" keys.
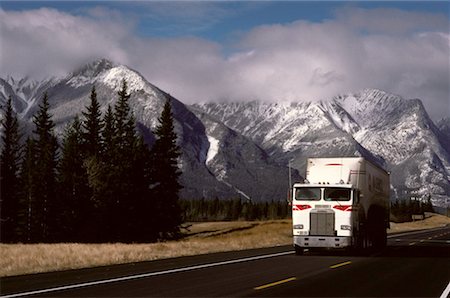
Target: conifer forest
{"x": 101, "y": 183}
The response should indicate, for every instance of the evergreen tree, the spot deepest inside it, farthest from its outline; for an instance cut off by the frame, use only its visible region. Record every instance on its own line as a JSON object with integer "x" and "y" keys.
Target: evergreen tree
{"x": 101, "y": 172}
{"x": 89, "y": 225}
{"x": 9, "y": 171}
{"x": 108, "y": 135}
{"x": 96, "y": 227}
{"x": 46, "y": 147}
{"x": 27, "y": 224}
{"x": 130, "y": 162}
{"x": 428, "y": 205}
{"x": 73, "y": 185}
{"x": 143, "y": 212}
{"x": 165, "y": 154}
{"x": 119, "y": 177}
{"x": 122, "y": 163}
{"x": 92, "y": 126}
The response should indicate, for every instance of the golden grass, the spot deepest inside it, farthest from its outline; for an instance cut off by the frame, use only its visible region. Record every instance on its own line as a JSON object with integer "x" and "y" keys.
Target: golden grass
{"x": 17, "y": 259}
{"x": 201, "y": 238}
{"x": 436, "y": 220}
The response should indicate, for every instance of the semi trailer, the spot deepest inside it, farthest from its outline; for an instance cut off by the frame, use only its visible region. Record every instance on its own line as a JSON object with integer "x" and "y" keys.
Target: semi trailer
{"x": 342, "y": 203}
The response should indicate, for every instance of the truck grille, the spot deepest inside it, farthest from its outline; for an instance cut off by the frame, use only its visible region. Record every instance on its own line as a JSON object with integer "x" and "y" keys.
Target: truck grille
{"x": 322, "y": 223}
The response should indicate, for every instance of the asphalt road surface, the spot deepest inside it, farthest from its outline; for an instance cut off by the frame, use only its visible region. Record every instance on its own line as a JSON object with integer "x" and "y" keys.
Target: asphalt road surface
{"x": 415, "y": 264}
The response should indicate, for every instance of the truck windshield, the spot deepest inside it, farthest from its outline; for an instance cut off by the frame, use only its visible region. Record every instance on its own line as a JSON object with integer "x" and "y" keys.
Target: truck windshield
{"x": 307, "y": 194}
{"x": 337, "y": 194}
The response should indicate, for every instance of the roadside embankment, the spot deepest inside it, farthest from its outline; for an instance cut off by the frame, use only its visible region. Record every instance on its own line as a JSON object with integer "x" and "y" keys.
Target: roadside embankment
{"x": 433, "y": 221}
{"x": 200, "y": 238}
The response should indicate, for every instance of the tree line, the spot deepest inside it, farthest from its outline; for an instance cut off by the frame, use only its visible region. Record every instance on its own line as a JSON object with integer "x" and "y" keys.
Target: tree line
{"x": 403, "y": 210}
{"x": 236, "y": 209}
{"x": 101, "y": 184}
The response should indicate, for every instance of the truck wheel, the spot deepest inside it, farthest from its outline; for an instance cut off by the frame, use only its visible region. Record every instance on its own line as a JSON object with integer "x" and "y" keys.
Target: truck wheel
{"x": 379, "y": 237}
{"x": 361, "y": 245}
{"x": 298, "y": 250}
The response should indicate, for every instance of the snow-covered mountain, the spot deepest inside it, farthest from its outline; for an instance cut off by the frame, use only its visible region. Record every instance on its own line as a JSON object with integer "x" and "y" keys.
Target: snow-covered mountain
{"x": 215, "y": 162}
{"x": 395, "y": 132}
{"x": 243, "y": 149}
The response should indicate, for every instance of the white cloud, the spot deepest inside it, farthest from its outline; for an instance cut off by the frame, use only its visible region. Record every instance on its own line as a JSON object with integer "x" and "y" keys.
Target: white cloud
{"x": 401, "y": 52}
{"x": 48, "y": 42}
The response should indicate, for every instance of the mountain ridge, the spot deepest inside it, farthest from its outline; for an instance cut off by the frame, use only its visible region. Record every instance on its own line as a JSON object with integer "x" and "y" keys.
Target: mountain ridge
{"x": 69, "y": 95}
{"x": 233, "y": 149}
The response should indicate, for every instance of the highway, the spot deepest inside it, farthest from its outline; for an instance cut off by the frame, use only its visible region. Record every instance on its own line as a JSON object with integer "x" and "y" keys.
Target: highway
{"x": 415, "y": 264}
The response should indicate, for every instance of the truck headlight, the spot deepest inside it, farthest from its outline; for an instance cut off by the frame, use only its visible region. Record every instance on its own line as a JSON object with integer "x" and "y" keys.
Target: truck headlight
{"x": 298, "y": 227}
{"x": 346, "y": 227}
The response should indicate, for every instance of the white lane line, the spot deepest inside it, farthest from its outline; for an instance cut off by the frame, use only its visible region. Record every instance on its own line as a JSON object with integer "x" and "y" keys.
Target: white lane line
{"x": 131, "y": 277}
{"x": 422, "y": 240}
{"x": 446, "y": 292}
{"x": 413, "y": 233}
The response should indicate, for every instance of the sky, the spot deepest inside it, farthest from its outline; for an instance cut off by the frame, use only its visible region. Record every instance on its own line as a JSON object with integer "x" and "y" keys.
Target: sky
{"x": 273, "y": 51}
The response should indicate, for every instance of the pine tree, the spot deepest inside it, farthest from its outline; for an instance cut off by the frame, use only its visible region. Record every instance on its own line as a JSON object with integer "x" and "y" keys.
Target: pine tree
{"x": 143, "y": 212}
{"x": 108, "y": 135}
{"x": 129, "y": 160}
{"x": 27, "y": 224}
{"x": 46, "y": 147}
{"x": 9, "y": 171}
{"x": 121, "y": 161}
{"x": 118, "y": 176}
{"x": 101, "y": 172}
{"x": 165, "y": 154}
{"x": 92, "y": 126}
{"x": 89, "y": 226}
{"x": 73, "y": 185}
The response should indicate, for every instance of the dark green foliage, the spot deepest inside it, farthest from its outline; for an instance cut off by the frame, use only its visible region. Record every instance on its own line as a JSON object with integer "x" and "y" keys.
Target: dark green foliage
{"x": 225, "y": 210}
{"x": 403, "y": 210}
{"x": 46, "y": 147}
{"x": 123, "y": 203}
{"x": 107, "y": 185}
{"x": 89, "y": 226}
{"x": 27, "y": 225}
{"x": 427, "y": 205}
{"x": 165, "y": 154}
{"x": 92, "y": 127}
{"x": 74, "y": 192}
{"x": 120, "y": 179}
{"x": 108, "y": 135}
{"x": 96, "y": 227}
{"x": 9, "y": 171}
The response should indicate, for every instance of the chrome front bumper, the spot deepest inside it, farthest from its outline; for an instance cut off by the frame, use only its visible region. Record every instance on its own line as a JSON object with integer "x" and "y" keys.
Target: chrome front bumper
{"x": 322, "y": 241}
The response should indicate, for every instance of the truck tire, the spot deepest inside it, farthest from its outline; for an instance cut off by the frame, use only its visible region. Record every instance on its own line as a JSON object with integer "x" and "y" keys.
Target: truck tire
{"x": 377, "y": 229}
{"x": 298, "y": 250}
{"x": 379, "y": 236}
{"x": 381, "y": 241}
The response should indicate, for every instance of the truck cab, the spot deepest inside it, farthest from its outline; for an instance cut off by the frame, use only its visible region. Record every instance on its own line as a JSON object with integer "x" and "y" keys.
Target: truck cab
{"x": 322, "y": 215}
{"x": 343, "y": 202}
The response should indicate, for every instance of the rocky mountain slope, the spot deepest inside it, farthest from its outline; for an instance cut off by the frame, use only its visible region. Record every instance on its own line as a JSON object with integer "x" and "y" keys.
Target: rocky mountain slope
{"x": 243, "y": 149}
{"x": 395, "y": 132}
{"x": 215, "y": 162}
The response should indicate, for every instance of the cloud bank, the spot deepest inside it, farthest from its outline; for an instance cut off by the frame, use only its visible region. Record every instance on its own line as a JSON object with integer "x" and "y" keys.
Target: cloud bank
{"x": 406, "y": 53}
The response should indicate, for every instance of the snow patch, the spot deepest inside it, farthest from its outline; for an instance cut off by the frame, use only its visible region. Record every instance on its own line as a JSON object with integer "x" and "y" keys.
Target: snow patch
{"x": 213, "y": 148}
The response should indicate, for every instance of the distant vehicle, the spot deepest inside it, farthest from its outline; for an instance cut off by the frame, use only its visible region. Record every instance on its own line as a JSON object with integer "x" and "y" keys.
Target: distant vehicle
{"x": 343, "y": 203}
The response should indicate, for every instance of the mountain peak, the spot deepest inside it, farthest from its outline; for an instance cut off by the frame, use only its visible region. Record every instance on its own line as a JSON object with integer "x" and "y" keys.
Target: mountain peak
{"x": 93, "y": 68}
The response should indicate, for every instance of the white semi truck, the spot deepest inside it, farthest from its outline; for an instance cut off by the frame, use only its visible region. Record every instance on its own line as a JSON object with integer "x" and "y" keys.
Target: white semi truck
{"x": 343, "y": 202}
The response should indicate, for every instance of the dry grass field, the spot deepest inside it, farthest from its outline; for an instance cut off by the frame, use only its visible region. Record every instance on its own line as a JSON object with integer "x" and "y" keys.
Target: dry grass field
{"x": 200, "y": 238}
{"x": 435, "y": 220}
